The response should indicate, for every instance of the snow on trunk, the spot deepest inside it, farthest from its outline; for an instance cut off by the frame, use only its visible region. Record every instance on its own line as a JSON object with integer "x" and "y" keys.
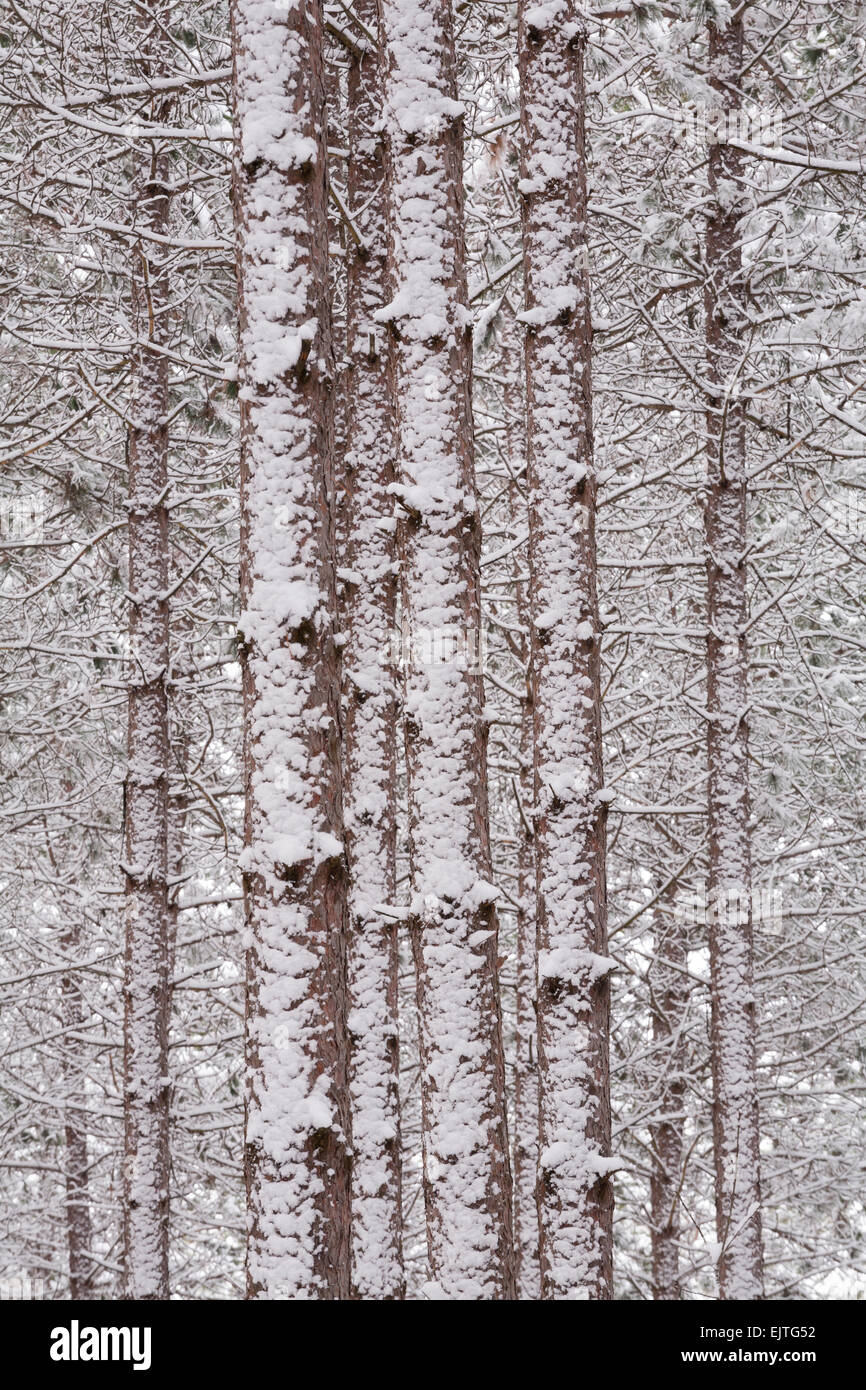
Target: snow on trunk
{"x": 79, "y": 1226}
{"x": 735, "y": 1098}
{"x": 669, "y": 998}
{"x": 368, "y": 573}
{"x": 467, "y": 1179}
{"x": 575, "y": 1198}
{"x": 525, "y": 1144}
{"x": 146, "y": 989}
{"x": 297, "y": 1141}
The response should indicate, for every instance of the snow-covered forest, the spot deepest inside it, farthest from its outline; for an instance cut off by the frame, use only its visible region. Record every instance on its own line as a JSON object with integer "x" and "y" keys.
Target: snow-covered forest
{"x": 432, "y": 649}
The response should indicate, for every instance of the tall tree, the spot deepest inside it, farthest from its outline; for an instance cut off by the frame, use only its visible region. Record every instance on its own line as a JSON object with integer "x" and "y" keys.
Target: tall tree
{"x": 525, "y": 1143}
{"x": 735, "y": 1093}
{"x": 297, "y": 1123}
{"x": 575, "y": 1199}
{"x": 79, "y": 1226}
{"x": 467, "y": 1176}
{"x": 369, "y": 582}
{"x": 146, "y": 989}
{"x": 669, "y": 995}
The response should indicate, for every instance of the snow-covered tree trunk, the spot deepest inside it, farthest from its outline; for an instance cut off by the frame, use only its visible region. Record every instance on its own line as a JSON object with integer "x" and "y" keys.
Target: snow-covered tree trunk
{"x": 526, "y": 1058}
{"x": 669, "y": 996}
{"x": 79, "y": 1227}
{"x": 575, "y": 1200}
{"x": 467, "y": 1171}
{"x": 525, "y": 1139}
{"x": 146, "y": 989}
{"x": 297, "y": 1162}
{"x": 369, "y": 586}
{"x": 735, "y": 1102}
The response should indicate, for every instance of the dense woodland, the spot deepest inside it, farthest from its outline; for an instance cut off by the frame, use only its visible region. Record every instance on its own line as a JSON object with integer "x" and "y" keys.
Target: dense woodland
{"x": 432, "y": 649}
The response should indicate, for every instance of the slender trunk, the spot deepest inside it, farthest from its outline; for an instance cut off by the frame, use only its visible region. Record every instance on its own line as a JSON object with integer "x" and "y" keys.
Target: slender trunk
{"x": 526, "y": 1059}
{"x": 297, "y": 1139}
{"x": 467, "y": 1177}
{"x": 179, "y": 797}
{"x": 146, "y": 990}
{"x": 669, "y": 997}
{"x": 735, "y": 1105}
{"x": 370, "y": 704}
{"x": 79, "y": 1228}
{"x": 334, "y": 55}
{"x": 575, "y": 1199}
{"x": 526, "y": 1052}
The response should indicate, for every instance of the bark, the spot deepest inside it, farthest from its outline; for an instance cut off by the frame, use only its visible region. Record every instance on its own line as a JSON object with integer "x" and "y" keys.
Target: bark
{"x": 735, "y": 1104}
{"x": 146, "y": 990}
{"x": 669, "y": 996}
{"x": 467, "y": 1178}
{"x": 297, "y": 1137}
{"x": 575, "y": 1199}
{"x": 526, "y": 1051}
{"x": 526, "y": 1059}
{"x": 79, "y": 1228}
{"x": 370, "y": 702}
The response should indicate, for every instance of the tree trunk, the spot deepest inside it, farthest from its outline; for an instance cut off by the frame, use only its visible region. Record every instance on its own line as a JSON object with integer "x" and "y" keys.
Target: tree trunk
{"x": 669, "y": 996}
{"x": 146, "y": 990}
{"x": 526, "y": 1059}
{"x": 526, "y": 1050}
{"x": 735, "y": 1105}
{"x": 575, "y": 1199}
{"x": 467, "y": 1177}
{"x": 370, "y": 703}
{"x": 79, "y": 1228}
{"x": 297, "y": 1140}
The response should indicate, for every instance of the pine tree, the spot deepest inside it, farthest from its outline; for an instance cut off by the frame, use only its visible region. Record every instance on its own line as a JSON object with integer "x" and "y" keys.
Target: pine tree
{"x": 467, "y": 1174}
{"x": 735, "y": 1100}
{"x": 575, "y": 1200}
{"x": 298, "y": 1135}
{"x": 368, "y": 572}
{"x": 146, "y": 989}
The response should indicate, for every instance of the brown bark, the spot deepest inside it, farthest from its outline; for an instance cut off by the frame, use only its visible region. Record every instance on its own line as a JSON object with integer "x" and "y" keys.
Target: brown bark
{"x": 298, "y": 1134}
{"x": 526, "y": 1058}
{"x": 368, "y": 616}
{"x": 467, "y": 1171}
{"x": 146, "y": 988}
{"x": 79, "y": 1227}
{"x": 669, "y": 995}
{"x": 575, "y": 1197}
{"x": 735, "y": 1104}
